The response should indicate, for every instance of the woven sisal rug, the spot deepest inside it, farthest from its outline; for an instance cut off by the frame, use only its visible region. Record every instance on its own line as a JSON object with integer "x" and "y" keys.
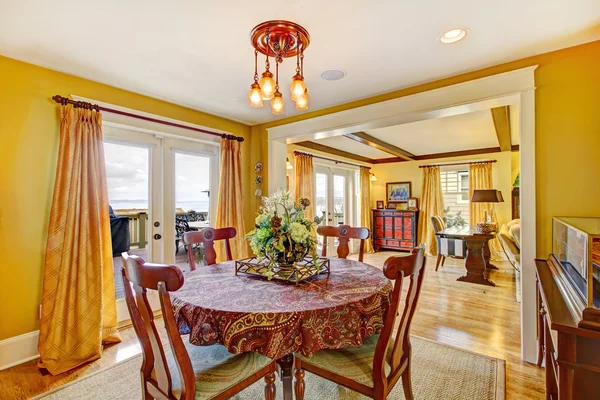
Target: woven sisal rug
{"x": 439, "y": 372}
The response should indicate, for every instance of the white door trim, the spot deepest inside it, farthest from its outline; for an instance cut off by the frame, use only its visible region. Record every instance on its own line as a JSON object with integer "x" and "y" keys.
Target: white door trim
{"x": 514, "y": 87}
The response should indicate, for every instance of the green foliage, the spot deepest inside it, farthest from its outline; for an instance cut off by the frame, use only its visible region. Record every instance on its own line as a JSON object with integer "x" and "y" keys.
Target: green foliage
{"x": 282, "y": 233}
{"x": 453, "y": 220}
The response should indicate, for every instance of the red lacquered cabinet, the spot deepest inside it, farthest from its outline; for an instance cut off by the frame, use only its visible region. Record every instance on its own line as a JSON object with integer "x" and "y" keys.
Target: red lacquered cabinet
{"x": 395, "y": 229}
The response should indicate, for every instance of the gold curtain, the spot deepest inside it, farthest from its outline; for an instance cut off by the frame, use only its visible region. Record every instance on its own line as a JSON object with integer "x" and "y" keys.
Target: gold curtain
{"x": 230, "y": 209}
{"x": 79, "y": 312}
{"x": 480, "y": 178}
{"x": 305, "y": 182}
{"x": 365, "y": 206}
{"x": 432, "y": 203}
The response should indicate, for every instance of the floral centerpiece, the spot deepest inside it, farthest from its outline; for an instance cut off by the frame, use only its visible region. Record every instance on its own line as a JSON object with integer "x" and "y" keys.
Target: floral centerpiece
{"x": 282, "y": 234}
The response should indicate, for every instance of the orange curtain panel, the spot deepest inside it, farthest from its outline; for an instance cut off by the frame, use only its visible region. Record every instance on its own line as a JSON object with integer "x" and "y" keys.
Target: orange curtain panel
{"x": 79, "y": 312}
{"x": 230, "y": 209}
{"x": 365, "y": 206}
{"x": 480, "y": 178}
{"x": 432, "y": 204}
{"x": 305, "y": 182}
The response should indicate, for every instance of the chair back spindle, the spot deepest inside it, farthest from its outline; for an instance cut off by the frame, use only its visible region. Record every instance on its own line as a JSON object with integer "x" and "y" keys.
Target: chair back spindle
{"x": 207, "y": 237}
{"x": 412, "y": 268}
{"x": 344, "y": 233}
{"x": 138, "y": 277}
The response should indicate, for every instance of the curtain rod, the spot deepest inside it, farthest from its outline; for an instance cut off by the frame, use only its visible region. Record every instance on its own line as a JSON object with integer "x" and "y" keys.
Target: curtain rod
{"x": 301, "y": 153}
{"x": 458, "y": 163}
{"x": 89, "y": 106}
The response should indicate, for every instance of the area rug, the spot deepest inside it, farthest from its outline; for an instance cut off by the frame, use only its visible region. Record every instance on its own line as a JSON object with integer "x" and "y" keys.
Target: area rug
{"x": 439, "y": 372}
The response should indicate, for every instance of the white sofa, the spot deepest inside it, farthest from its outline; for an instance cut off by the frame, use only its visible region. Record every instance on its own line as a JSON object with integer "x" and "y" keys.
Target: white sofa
{"x": 510, "y": 237}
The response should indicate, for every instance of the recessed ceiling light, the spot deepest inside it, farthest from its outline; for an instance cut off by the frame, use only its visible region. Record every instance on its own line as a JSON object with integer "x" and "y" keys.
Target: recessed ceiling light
{"x": 453, "y": 35}
{"x": 333, "y": 74}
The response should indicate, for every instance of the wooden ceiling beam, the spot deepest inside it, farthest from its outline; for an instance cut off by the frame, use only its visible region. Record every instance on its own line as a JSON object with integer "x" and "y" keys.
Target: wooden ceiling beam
{"x": 352, "y": 156}
{"x": 440, "y": 155}
{"x": 334, "y": 151}
{"x": 369, "y": 140}
{"x": 501, "y": 117}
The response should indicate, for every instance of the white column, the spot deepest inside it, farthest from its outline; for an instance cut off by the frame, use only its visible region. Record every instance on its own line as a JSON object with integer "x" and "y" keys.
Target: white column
{"x": 277, "y": 170}
{"x": 528, "y": 227}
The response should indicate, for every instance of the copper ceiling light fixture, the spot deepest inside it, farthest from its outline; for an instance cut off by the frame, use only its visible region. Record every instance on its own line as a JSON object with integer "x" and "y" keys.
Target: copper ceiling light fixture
{"x": 279, "y": 40}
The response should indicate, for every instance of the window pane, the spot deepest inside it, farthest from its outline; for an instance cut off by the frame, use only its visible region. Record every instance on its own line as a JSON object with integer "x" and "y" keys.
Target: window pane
{"x": 455, "y": 190}
{"x": 339, "y": 195}
{"x": 192, "y": 183}
{"x": 321, "y": 197}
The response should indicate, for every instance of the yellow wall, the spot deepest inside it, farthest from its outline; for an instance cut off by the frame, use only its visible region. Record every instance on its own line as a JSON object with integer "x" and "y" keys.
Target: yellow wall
{"x": 410, "y": 171}
{"x": 567, "y": 130}
{"x": 28, "y": 152}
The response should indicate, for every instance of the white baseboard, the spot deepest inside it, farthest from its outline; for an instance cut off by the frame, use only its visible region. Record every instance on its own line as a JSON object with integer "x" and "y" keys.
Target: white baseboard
{"x": 18, "y": 349}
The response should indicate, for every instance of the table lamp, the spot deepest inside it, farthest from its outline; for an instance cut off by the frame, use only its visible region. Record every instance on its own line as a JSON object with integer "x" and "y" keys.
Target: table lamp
{"x": 488, "y": 196}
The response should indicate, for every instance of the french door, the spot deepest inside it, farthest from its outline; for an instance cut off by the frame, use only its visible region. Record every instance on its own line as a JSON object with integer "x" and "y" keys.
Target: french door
{"x": 153, "y": 182}
{"x": 335, "y": 200}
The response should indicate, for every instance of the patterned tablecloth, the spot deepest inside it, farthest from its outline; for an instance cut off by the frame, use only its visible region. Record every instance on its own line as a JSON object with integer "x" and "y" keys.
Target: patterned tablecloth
{"x": 273, "y": 318}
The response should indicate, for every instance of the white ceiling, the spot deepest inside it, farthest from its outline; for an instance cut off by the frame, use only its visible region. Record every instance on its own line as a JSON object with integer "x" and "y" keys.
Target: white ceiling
{"x": 352, "y": 146}
{"x": 441, "y": 135}
{"x": 197, "y": 53}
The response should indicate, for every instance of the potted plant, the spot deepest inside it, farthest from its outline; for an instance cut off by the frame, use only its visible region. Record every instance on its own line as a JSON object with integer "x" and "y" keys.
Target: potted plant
{"x": 282, "y": 233}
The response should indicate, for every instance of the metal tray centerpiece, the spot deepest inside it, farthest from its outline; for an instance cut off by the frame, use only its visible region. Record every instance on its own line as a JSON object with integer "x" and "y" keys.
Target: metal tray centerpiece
{"x": 295, "y": 273}
{"x": 284, "y": 241}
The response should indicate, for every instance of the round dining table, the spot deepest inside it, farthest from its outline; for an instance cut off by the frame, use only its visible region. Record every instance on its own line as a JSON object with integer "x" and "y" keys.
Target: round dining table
{"x": 274, "y": 318}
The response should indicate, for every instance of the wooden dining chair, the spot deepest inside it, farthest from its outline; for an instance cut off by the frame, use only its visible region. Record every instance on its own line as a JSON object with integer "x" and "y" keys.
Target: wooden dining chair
{"x": 374, "y": 367}
{"x": 344, "y": 233}
{"x": 446, "y": 247}
{"x": 187, "y": 371}
{"x": 207, "y": 237}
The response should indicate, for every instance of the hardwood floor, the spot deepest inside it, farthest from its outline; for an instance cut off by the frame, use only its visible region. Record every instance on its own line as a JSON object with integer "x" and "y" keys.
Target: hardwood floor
{"x": 473, "y": 317}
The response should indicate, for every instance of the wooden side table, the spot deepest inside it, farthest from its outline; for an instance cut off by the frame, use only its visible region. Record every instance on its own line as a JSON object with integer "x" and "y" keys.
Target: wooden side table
{"x": 477, "y": 262}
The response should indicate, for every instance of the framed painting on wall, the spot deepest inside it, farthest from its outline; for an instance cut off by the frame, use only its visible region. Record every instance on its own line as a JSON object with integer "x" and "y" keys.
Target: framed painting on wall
{"x": 413, "y": 203}
{"x": 398, "y": 191}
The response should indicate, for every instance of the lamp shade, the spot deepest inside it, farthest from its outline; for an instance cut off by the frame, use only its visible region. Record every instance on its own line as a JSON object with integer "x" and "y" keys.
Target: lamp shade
{"x": 487, "y": 196}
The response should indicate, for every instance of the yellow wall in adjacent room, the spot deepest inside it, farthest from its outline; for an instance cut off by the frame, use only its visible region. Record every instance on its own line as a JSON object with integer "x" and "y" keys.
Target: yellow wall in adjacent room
{"x": 29, "y": 136}
{"x": 567, "y": 123}
{"x": 409, "y": 171}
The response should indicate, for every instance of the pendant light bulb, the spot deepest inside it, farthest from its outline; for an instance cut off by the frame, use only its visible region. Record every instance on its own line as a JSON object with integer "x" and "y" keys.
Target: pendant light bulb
{"x": 302, "y": 101}
{"x": 255, "y": 95}
{"x": 267, "y": 85}
{"x": 277, "y": 103}
{"x": 297, "y": 86}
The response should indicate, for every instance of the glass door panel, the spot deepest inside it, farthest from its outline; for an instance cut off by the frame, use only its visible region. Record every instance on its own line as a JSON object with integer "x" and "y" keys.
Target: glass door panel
{"x": 339, "y": 199}
{"x": 191, "y": 193}
{"x": 133, "y": 169}
{"x": 332, "y": 200}
{"x": 192, "y": 201}
{"x": 321, "y": 202}
{"x": 127, "y": 175}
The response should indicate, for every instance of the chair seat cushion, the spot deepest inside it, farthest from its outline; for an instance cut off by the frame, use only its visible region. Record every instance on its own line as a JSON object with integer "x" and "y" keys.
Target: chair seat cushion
{"x": 355, "y": 362}
{"x": 216, "y": 369}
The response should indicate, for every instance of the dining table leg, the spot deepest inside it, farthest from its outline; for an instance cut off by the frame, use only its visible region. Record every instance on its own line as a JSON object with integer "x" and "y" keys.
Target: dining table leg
{"x": 286, "y": 364}
{"x": 475, "y": 263}
{"x": 487, "y": 254}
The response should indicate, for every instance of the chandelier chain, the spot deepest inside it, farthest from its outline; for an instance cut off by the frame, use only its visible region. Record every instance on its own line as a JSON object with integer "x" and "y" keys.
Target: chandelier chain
{"x": 256, "y": 66}
{"x": 298, "y": 53}
{"x": 267, "y": 65}
{"x": 276, "y": 76}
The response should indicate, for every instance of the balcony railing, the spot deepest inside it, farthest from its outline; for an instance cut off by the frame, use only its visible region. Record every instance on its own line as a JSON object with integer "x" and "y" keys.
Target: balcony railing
{"x": 138, "y": 223}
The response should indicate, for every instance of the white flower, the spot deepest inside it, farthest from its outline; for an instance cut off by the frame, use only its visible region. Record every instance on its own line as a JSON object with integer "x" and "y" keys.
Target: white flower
{"x": 281, "y": 197}
{"x": 298, "y": 232}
